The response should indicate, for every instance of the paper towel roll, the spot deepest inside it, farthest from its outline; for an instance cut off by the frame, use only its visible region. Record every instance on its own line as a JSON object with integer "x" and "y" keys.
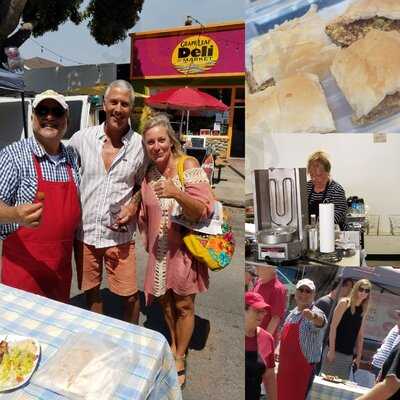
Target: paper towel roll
{"x": 326, "y": 228}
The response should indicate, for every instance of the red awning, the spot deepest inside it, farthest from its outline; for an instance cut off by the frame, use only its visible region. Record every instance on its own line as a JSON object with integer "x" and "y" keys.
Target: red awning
{"x": 185, "y": 99}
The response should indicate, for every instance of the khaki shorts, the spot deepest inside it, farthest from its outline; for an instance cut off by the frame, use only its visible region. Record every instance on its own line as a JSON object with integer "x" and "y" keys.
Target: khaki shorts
{"x": 120, "y": 266}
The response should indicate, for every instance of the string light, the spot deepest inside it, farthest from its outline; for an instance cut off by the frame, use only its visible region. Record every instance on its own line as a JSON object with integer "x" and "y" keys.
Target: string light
{"x": 60, "y": 56}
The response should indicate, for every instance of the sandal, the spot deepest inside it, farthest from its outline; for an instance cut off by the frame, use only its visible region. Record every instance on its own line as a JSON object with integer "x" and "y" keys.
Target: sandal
{"x": 182, "y": 372}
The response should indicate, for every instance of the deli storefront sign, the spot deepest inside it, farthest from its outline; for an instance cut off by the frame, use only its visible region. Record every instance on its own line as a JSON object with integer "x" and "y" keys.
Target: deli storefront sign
{"x": 182, "y": 52}
{"x": 195, "y": 54}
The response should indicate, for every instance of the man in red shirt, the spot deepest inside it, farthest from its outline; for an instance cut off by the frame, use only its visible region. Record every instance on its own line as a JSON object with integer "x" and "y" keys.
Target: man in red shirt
{"x": 259, "y": 350}
{"x": 274, "y": 293}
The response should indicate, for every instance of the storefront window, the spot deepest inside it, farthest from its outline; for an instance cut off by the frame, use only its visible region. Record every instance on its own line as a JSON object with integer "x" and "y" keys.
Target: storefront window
{"x": 237, "y": 145}
{"x": 239, "y": 94}
{"x": 200, "y": 122}
{"x": 222, "y": 94}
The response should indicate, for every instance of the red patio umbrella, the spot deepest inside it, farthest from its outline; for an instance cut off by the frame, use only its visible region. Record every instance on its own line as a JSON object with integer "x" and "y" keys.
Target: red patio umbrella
{"x": 185, "y": 99}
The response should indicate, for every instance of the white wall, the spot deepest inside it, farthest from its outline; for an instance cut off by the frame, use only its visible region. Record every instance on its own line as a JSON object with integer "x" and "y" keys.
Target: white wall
{"x": 364, "y": 168}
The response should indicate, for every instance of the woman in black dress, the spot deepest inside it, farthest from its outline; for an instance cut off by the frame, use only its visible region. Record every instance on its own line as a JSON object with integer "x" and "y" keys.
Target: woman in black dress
{"x": 346, "y": 334}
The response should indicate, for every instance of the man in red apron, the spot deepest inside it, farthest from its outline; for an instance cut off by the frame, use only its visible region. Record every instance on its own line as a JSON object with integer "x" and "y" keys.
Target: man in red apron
{"x": 40, "y": 209}
{"x": 301, "y": 344}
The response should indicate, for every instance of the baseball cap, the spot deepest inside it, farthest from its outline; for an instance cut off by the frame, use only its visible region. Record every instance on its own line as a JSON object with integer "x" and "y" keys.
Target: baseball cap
{"x": 306, "y": 282}
{"x": 255, "y": 300}
{"x": 50, "y": 94}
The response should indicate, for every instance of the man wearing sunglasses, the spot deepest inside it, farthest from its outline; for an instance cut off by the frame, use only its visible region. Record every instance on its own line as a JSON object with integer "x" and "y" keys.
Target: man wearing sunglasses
{"x": 301, "y": 344}
{"x": 40, "y": 208}
{"x": 111, "y": 158}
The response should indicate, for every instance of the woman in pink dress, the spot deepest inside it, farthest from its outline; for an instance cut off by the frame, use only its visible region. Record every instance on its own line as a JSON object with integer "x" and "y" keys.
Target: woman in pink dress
{"x": 173, "y": 276}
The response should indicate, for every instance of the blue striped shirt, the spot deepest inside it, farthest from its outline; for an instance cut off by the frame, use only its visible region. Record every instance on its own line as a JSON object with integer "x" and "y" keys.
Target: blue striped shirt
{"x": 335, "y": 194}
{"x": 18, "y": 183}
{"x": 311, "y": 336}
{"x": 388, "y": 344}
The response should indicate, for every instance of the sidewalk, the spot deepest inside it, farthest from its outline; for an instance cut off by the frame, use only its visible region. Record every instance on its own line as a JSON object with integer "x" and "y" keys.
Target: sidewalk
{"x": 230, "y": 190}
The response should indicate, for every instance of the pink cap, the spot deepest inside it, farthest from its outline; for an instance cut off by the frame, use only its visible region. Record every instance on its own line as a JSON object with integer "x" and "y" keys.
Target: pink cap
{"x": 255, "y": 300}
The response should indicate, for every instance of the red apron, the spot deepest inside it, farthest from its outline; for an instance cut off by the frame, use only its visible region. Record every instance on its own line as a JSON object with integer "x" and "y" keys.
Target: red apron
{"x": 294, "y": 371}
{"x": 38, "y": 260}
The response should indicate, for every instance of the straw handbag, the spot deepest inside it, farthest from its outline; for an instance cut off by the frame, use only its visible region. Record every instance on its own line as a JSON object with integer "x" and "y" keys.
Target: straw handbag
{"x": 210, "y": 241}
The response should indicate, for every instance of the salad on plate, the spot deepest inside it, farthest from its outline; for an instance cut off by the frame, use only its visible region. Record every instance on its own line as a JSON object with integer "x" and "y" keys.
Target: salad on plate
{"x": 19, "y": 356}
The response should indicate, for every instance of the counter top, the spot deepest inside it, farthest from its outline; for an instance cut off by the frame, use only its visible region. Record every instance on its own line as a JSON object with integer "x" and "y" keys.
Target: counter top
{"x": 353, "y": 261}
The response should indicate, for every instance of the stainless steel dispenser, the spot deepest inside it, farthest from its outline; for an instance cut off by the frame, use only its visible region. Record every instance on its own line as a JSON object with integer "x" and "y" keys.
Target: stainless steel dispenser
{"x": 281, "y": 213}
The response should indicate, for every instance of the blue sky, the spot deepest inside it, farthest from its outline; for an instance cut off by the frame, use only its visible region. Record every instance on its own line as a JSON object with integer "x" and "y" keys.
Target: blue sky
{"x": 75, "y": 42}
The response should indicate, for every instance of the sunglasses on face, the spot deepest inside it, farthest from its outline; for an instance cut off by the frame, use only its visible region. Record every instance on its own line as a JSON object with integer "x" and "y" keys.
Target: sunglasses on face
{"x": 304, "y": 290}
{"x": 43, "y": 111}
{"x": 361, "y": 289}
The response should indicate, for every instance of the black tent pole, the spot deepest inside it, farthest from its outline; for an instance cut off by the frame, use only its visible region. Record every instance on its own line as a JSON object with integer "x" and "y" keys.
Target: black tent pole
{"x": 24, "y": 115}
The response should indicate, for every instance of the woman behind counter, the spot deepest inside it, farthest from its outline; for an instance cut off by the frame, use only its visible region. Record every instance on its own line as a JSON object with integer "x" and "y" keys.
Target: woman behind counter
{"x": 346, "y": 334}
{"x": 322, "y": 189}
{"x": 172, "y": 275}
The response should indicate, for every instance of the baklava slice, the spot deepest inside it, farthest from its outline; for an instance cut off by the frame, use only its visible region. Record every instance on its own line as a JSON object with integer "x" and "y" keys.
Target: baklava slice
{"x": 298, "y": 45}
{"x": 368, "y": 74}
{"x": 362, "y": 17}
{"x": 293, "y": 105}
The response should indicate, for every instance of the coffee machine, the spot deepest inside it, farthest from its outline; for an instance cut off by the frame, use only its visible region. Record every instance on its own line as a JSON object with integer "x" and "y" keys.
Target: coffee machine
{"x": 280, "y": 213}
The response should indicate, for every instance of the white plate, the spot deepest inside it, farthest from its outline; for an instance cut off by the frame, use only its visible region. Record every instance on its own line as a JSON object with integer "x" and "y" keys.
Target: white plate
{"x": 16, "y": 338}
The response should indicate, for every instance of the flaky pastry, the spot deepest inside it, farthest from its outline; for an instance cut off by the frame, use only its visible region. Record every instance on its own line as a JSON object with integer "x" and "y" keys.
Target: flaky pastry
{"x": 368, "y": 73}
{"x": 361, "y": 17}
{"x": 295, "y": 104}
{"x": 296, "y": 46}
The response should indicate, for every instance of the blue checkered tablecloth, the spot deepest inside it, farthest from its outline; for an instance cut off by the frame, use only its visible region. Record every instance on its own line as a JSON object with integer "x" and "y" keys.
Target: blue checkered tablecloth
{"x": 153, "y": 377}
{"x": 323, "y": 390}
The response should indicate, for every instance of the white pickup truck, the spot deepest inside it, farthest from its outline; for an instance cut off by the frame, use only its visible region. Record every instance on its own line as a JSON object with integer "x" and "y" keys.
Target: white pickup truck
{"x": 82, "y": 115}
